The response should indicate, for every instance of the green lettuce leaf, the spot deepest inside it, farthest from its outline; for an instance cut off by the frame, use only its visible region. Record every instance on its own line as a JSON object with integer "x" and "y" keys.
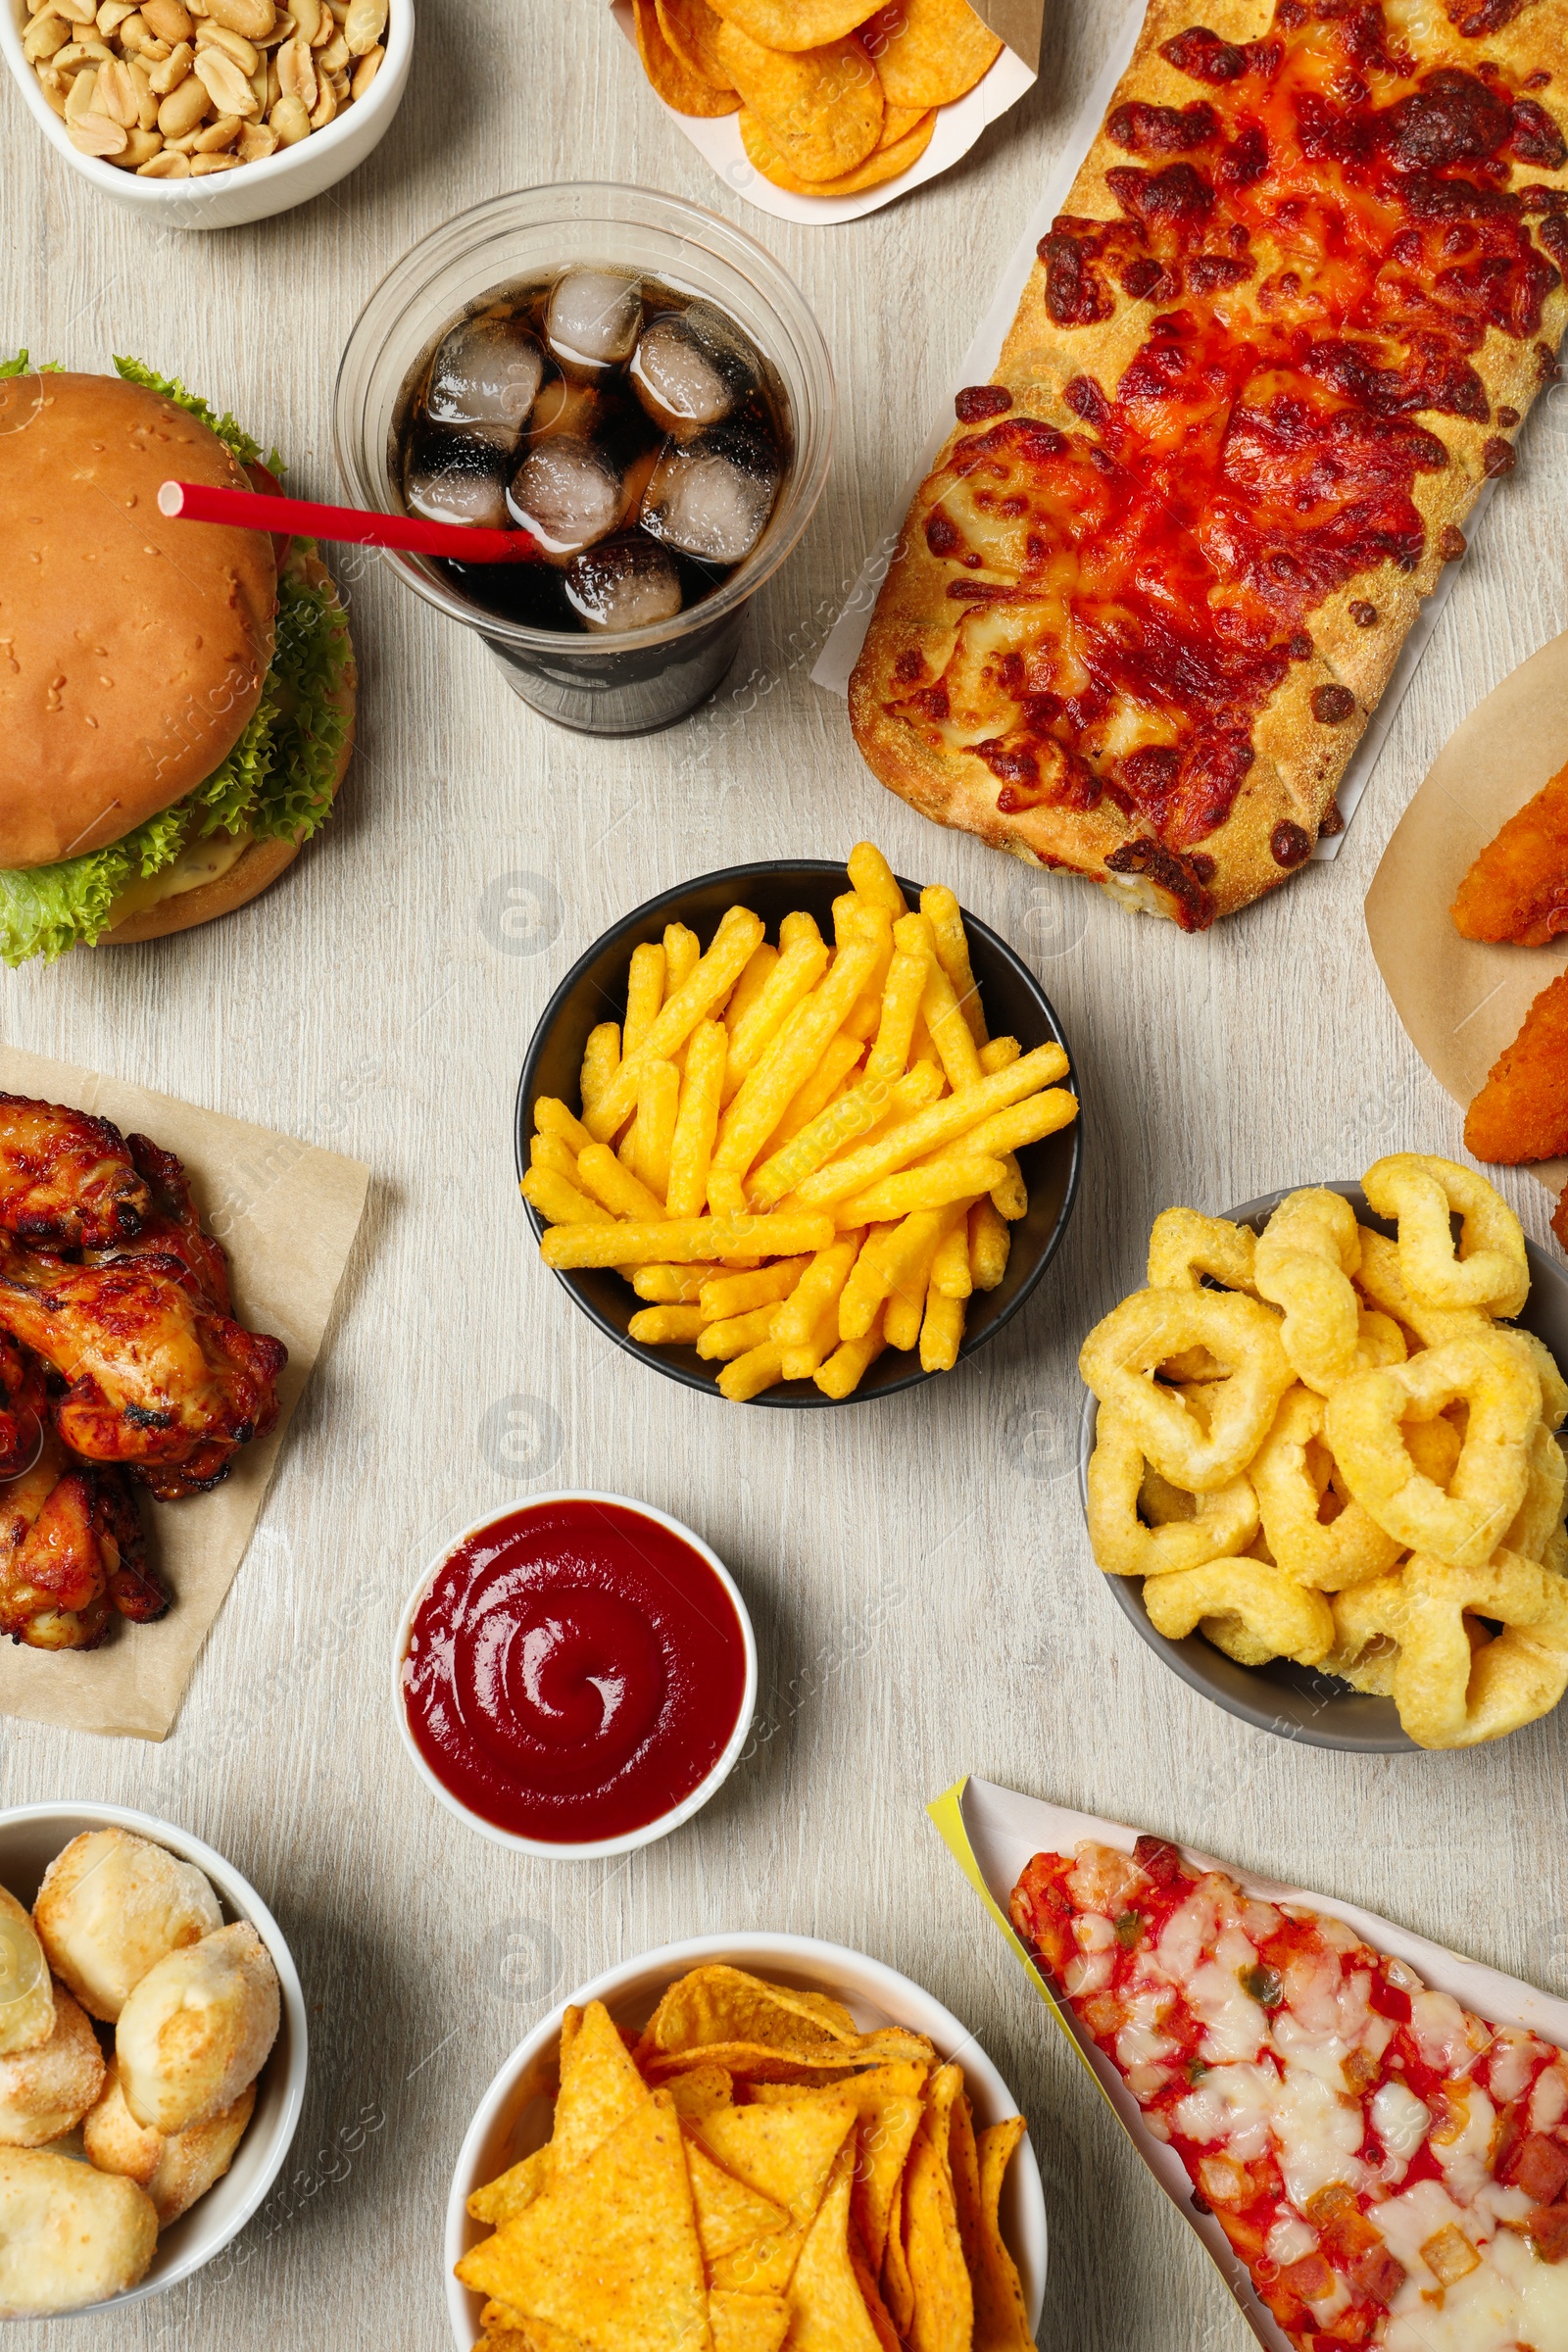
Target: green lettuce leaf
{"x": 23, "y": 365}
{"x": 277, "y": 780}
{"x": 232, "y": 435}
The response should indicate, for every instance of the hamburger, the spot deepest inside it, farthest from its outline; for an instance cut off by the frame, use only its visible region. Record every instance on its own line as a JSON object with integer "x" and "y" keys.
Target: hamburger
{"x": 177, "y": 698}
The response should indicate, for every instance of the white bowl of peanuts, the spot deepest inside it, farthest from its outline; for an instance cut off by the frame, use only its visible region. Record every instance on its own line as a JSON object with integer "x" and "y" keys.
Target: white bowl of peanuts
{"x": 206, "y": 113}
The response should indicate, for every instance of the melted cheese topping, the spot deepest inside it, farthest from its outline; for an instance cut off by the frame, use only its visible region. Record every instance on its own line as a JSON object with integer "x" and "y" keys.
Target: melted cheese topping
{"x": 198, "y": 862}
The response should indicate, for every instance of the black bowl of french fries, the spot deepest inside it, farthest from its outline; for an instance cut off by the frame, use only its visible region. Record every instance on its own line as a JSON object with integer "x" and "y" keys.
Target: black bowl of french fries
{"x": 799, "y": 1101}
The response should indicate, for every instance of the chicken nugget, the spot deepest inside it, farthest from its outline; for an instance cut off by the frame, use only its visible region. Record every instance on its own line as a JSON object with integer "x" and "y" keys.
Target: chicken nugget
{"x": 110, "y": 1907}
{"x": 197, "y": 2030}
{"x": 1522, "y": 1112}
{"x": 68, "y": 2235}
{"x": 48, "y": 2089}
{"x": 175, "y": 2169}
{"x": 1518, "y": 886}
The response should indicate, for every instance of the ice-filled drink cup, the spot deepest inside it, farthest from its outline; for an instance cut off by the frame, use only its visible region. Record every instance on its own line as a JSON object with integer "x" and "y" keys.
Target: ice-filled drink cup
{"x": 633, "y": 386}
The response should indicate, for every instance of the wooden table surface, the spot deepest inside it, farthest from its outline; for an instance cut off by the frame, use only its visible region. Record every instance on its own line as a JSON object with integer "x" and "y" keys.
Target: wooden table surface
{"x": 917, "y": 1570}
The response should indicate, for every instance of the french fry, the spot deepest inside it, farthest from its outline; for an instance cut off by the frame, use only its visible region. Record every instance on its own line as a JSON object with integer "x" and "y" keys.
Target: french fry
{"x": 999, "y": 1054}
{"x": 855, "y": 917}
{"x": 599, "y": 1173}
{"x": 717, "y": 1342}
{"x": 671, "y": 1286}
{"x": 900, "y": 1000}
{"x": 951, "y": 944}
{"x": 816, "y": 1295}
{"x": 552, "y": 1117}
{"x": 956, "y": 1177}
{"x": 549, "y": 1151}
{"x": 724, "y": 1294}
{"x": 560, "y": 1203}
{"x": 921, "y": 1048}
{"x": 907, "y": 1259}
{"x": 826, "y": 1084}
{"x": 797, "y": 926}
{"x": 658, "y": 1100}
{"x": 802, "y": 1363}
{"x": 749, "y": 984}
{"x": 866, "y": 1287}
{"x": 950, "y": 1277}
{"x": 739, "y": 931}
{"x": 796, "y": 972}
{"x": 950, "y": 1031}
{"x": 750, "y": 1374}
{"x": 681, "y": 1241}
{"x": 665, "y": 1326}
{"x": 1010, "y": 1198}
{"x": 873, "y": 879}
{"x": 683, "y": 951}
{"x": 792, "y": 1056}
{"x": 727, "y": 1194}
{"x": 1027, "y": 1122}
{"x": 691, "y": 1147}
{"x": 990, "y": 1243}
{"x": 600, "y": 1061}
{"x": 645, "y": 993}
{"x": 833, "y": 1131}
{"x": 850, "y": 1362}
{"x": 941, "y": 1332}
{"x": 940, "y": 1123}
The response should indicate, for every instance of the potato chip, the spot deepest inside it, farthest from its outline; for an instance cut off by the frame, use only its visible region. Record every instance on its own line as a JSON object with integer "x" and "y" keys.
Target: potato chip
{"x": 929, "y": 52}
{"x": 610, "y": 2252}
{"x": 699, "y": 2089}
{"x": 822, "y": 107}
{"x": 939, "y": 2276}
{"x": 897, "y": 123}
{"x": 885, "y": 163}
{"x": 1001, "y": 2320}
{"x": 716, "y": 2005}
{"x": 827, "y": 2310}
{"x": 729, "y": 2215}
{"x": 673, "y": 81}
{"x": 600, "y": 2088}
{"x": 691, "y": 28}
{"x": 785, "y": 2151}
{"x": 888, "y": 2107}
{"x": 747, "y": 2323}
{"x": 794, "y": 23}
{"x": 512, "y": 2192}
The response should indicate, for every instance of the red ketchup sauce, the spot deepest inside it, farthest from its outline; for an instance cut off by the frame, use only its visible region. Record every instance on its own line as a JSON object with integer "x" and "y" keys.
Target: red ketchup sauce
{"x": 1325, "y": 233}
{"x": 574, "y": 1672}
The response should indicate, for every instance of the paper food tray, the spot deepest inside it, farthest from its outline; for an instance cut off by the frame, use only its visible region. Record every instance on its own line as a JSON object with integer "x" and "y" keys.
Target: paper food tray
{"x": 993, "y": 1833}
{"x": 843, "y": 648}
{"x": 957, "y": 126}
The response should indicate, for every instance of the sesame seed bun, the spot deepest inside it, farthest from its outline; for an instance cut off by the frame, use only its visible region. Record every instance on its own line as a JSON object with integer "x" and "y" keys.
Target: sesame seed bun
{"x": 132, "y": 645}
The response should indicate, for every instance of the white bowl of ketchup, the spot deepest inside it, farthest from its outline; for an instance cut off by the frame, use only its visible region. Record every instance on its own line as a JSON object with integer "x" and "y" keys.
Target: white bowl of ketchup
{"x": 575, "y": 1675}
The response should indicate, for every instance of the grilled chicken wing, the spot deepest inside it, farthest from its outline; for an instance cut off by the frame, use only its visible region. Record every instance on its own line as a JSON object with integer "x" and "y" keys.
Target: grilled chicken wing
{"x": 67, "y": 1180}
{"x": 171, "y": 1230}
{"x": 154, "y": 1376}
{"x": 72, "y": 1551}
{"x": 23, "y": 1407}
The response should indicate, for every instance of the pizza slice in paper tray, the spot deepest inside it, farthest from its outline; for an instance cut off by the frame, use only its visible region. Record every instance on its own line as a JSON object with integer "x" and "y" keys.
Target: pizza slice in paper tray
{"x": 1369, "y": 2134}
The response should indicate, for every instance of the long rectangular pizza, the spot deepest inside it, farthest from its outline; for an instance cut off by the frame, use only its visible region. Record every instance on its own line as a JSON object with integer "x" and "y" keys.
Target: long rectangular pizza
{"x": 1310, "y": 283}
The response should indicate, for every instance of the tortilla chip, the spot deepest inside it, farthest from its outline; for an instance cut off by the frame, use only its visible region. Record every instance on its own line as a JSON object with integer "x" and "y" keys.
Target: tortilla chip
{"x": 687, "y": 92}
{"x": 795, "y": 23}
{"x": 512, "y": 2192}
{"x": 747, "y": 2323}
{"x": 514, "y": 2333}
{"x": 699, "y": 2089}
{"x": 885, "y": 163}
{"x": 600, "y": 2087}
{"x": 896, "y": 2291}
{"x": 691, "y": 28}
{"x": 888, "y": 2106}
{"x": 822, "y": 107}
{"x": 827, "y": 2310}
{"x": 944, "y": 2300}
{"x": 820, "y": 2062}
{"x": 1001, "y": 2320}
{"x": 929, "y": 52}
{"x": 785, "y": 2151}
{"x": 876, "y": 2311}
{"x": 765, "y": 2269}
{"x": 729, "y": 2215}
{"x": 610, "y": 2252}
{"x": 716, "y": 2005}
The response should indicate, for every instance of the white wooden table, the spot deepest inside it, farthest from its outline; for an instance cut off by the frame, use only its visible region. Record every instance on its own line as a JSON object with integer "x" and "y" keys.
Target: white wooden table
{"x": 917, "y": 1568}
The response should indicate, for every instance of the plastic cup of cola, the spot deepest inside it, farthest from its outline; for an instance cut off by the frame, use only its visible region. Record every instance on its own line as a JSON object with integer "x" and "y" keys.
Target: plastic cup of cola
{"x": 634, "y": 680}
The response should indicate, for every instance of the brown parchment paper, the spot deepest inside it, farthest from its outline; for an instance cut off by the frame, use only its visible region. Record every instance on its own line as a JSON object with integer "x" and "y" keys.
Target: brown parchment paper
{"x": 1019, "y": 23}
{"x": 1462, "y": 1002}
{"x": 287, "y": 1214}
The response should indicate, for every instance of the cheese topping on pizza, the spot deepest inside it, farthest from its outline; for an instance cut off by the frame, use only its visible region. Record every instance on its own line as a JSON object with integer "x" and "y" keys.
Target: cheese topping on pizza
{"x": 1393, "y": 2170}
{"x": 1244, "y": 368}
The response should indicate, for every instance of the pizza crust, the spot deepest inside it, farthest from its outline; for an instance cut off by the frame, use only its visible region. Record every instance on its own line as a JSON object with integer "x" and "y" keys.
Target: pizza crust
{"x": 1298, "y": 760}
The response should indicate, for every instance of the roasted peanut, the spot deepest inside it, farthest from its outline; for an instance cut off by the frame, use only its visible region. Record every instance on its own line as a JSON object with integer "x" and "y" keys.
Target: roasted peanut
{"x": 95, "y": 134}
{"x": 180, "y": 113}
{"x": 165, "y": 164}
{"x": 290, "y": 119}
{"x": 333, "y": 55}
{"x": 202, "y": 165}
{"x": 296, "y": 71}
{"x": 217, "y": 138}
{"x": 170, "y": 20}
{"x": 245, "y": 53}
{"x": 364, "y": 25}
{"x": 252, "y": 17}
{"x": 171, "y": 72}
{"x": 140, "y": 147}
{"x": 45, "y": 35}
{"x": 112, "y": 16}
{"x": 226, "y": 86}
{"x": 366, "y": 72}
{"x": 324, "y": 110}
{"x": 116, "y": 95}
{"x": 257, "y": 141}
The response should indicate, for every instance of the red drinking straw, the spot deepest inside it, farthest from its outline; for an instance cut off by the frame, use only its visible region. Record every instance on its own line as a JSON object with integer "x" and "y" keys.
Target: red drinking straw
{"x": 251, "y": 510}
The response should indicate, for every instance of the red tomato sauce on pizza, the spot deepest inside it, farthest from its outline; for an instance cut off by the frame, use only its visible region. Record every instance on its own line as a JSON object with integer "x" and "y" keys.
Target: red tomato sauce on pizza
{"x": 1393, "y": 2170}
